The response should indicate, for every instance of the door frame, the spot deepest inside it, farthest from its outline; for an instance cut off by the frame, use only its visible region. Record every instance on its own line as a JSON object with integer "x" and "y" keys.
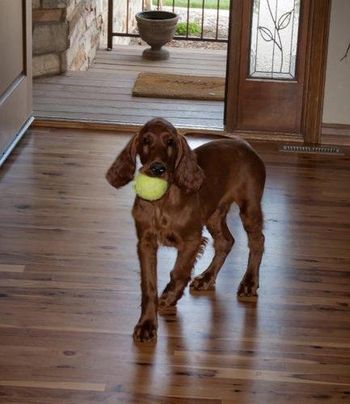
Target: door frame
{"x": 315, "y": 72}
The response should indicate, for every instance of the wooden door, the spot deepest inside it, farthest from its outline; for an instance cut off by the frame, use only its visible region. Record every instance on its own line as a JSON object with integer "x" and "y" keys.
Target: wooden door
{"x": 15, "y": 72}
{"x": 270, "y": 63}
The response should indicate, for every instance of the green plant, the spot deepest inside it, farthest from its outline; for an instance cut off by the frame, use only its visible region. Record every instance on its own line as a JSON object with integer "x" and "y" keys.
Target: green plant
{"x": 193, "y": 28}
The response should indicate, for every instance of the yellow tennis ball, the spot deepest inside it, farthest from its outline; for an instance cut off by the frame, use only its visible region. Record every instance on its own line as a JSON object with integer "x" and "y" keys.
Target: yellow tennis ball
{"x": 150, "y": 188}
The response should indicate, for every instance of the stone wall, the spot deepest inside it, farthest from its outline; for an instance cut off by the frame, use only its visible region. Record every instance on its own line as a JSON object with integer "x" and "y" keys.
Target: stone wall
{"x": 66, "y": 34}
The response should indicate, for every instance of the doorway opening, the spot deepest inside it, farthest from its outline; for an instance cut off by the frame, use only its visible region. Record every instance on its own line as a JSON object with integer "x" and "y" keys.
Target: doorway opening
{"x": 262, "y": 103}
{"x": 100, "y": 91}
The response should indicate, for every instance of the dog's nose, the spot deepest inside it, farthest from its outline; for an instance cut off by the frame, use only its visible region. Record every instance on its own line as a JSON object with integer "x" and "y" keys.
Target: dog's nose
{"x": 157, "y": 169}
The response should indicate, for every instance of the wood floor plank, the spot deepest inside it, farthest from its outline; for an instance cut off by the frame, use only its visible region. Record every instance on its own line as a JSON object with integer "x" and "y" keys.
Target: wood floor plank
{"x": 12, "y": 268}
{"x": 104, "y": 108}
{"x": 53, "y": 385}
{"x": 104, "y": 101}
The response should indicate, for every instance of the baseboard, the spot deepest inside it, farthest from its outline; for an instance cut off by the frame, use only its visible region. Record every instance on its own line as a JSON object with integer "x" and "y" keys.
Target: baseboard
{"x": 336, "y": 127}
{"x": 79, "y": 124}
{"x": 334, "y": 133}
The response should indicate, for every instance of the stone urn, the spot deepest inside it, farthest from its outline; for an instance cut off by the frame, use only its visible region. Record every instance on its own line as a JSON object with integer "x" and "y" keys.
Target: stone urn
{"x": 156, "y": 28}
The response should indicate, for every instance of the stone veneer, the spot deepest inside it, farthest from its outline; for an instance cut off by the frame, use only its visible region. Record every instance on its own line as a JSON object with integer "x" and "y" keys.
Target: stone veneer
{"x": 66, "y": 34}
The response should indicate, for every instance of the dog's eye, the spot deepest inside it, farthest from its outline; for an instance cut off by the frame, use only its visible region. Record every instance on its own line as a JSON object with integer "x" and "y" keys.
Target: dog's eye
{"x": 170, "y": 142}
{"x": 146, "y": 141}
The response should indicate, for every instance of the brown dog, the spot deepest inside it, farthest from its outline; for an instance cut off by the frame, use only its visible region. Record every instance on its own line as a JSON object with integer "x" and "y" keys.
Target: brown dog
{"x": 203, "y": 183}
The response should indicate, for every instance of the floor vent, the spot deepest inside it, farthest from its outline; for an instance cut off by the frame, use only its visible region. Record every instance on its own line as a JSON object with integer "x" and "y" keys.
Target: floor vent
{"x": 312, "y": 149}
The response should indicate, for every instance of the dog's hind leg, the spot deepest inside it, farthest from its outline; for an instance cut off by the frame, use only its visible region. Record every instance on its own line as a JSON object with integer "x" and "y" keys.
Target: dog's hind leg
{"x": 223, "y": 242}
{"x": 252, "y": 219}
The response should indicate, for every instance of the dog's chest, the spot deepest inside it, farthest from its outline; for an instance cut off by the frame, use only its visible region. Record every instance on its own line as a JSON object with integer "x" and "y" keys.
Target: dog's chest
{"x": 165, "y": 227}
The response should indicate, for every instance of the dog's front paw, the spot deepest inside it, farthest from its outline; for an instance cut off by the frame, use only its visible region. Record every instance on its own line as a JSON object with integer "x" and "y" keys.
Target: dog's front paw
{"x": 165, "y": 305}
{"x": 145, "y": 331}
{"x": 204, "y": 281}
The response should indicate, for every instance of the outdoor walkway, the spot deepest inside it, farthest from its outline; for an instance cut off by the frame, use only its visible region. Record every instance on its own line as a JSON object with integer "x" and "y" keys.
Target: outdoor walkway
{"x": 103, "y": 94}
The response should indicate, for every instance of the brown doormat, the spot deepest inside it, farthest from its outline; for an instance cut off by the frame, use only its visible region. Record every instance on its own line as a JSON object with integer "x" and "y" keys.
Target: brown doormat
{"x": 158, "y": 85}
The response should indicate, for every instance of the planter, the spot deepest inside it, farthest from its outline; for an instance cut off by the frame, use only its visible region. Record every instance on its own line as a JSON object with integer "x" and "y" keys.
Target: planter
{"x": 156, "y": 28}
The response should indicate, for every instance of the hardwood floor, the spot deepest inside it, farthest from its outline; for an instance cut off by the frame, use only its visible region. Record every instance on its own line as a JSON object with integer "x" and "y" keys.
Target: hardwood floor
{"x": 103, "y": 93}
{"x": 70, "y": 288}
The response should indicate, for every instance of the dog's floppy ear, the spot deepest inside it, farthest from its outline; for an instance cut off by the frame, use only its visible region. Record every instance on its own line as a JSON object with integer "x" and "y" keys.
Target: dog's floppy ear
{"x": 188, "y": 174}
{"x": 122, "y": 170}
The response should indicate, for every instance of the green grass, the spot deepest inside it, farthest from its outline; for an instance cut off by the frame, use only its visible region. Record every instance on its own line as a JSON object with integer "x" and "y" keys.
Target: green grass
{"x": 194, "y": 29}
{"x": 224, "y": 4}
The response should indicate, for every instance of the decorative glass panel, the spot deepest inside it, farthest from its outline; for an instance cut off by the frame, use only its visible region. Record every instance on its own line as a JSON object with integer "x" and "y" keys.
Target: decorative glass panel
{"x": 274, "y": 39}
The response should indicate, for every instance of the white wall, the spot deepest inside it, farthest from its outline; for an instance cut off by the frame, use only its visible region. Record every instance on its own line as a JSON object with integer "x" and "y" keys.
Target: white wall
{"x": 337, "y": 92}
